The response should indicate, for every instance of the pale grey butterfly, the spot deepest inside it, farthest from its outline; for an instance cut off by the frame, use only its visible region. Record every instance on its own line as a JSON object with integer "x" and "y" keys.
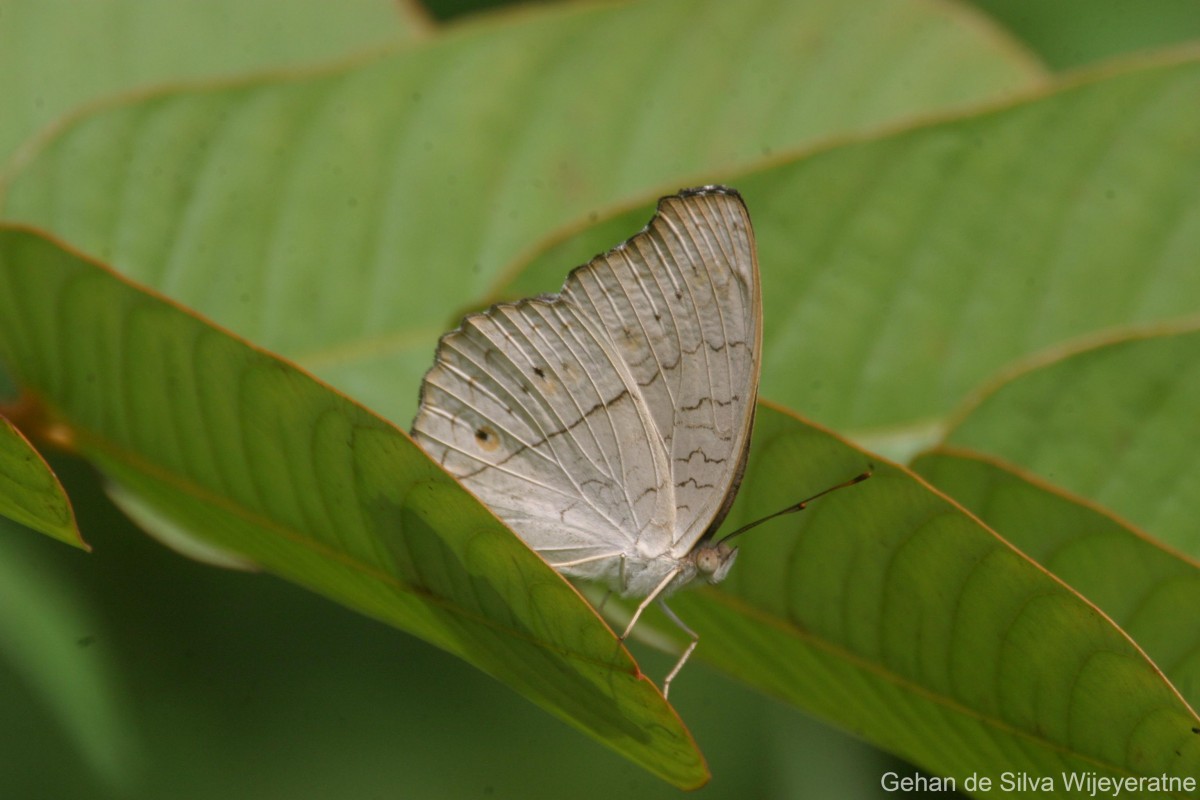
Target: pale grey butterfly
{"x": 609, "y": 424}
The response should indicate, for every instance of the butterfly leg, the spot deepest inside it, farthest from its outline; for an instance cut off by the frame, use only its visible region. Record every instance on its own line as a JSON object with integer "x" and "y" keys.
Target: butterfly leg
{"x": 607, "y": 594}
{"x": 686, "y": 653}
{"x": 662, "y": 585}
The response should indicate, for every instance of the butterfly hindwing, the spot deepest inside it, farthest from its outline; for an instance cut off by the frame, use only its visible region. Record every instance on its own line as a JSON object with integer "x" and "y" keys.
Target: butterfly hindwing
{"x": 530, "y": 408}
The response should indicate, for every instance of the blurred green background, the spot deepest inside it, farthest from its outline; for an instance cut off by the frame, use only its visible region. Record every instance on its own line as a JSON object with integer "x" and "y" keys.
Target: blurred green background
{"x": 239, "y": 685}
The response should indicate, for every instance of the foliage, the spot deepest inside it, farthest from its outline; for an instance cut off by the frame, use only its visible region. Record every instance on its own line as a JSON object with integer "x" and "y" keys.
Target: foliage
{"x": 222, "y": 274}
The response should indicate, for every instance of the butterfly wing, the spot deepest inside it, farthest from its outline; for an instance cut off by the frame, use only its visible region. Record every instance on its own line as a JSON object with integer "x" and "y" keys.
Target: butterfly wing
{"x": 530, "y": 407}
{"x": 681, "y": 303}
{"x": 609, "y": 424}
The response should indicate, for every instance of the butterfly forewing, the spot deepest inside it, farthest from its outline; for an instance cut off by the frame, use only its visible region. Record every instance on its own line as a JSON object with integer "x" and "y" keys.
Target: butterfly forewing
{"x": 681, "y": 303}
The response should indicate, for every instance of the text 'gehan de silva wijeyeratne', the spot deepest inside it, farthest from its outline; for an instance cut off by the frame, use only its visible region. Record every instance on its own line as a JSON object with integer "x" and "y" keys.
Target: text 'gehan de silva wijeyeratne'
{"x": 1091, "y": 783}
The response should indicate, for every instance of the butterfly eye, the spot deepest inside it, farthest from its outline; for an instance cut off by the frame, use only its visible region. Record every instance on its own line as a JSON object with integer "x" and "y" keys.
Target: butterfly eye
{"x": 714, "y": 560}
{"x": 708, "y": 560}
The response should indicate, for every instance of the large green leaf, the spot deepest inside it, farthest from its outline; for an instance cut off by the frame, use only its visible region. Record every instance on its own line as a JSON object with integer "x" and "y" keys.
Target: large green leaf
{"x": 256, "y": 457}
{"x": 58, "y": 54}
{"x": 899, "y": 273}
{"x": 1069, "y": 33}
{"x": 1140, "y": 585}
{"x": 891, "y": 611}
{"x": 345, "y": 219}
{"x": 1116, "y": 423}
{"x": 29, "y": 491}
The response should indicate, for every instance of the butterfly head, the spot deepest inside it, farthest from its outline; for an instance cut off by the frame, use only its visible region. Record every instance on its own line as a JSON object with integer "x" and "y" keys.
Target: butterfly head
{"x": 713, "y": 560}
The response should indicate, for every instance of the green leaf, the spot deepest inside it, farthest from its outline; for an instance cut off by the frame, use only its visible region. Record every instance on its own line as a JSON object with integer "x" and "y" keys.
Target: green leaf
{"x": 58, "y": 54}
{"x": 30, "y": 492}
{"x": 1143, "y": 587}
{"x": 1115, "y": 423}
{"x": 421, "y": 175}
{"x": 899, "y": 273}
{"x": 1070, "y": 33}
{"x": 174, "y": 533}
{"x": 889, "y": 610}
{"x": 258, "y": 458}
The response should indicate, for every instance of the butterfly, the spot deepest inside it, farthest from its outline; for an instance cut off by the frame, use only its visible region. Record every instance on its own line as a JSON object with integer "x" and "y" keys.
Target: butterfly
{"x": 608, "y": 424}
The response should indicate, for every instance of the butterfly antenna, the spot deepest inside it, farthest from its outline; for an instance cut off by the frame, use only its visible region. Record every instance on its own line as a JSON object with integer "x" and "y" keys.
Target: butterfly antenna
{"x": 862, "y": 476}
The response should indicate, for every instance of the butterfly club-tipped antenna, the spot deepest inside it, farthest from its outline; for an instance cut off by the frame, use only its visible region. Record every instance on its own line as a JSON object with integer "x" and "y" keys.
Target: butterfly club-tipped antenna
{"x": 803, "y": 504}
